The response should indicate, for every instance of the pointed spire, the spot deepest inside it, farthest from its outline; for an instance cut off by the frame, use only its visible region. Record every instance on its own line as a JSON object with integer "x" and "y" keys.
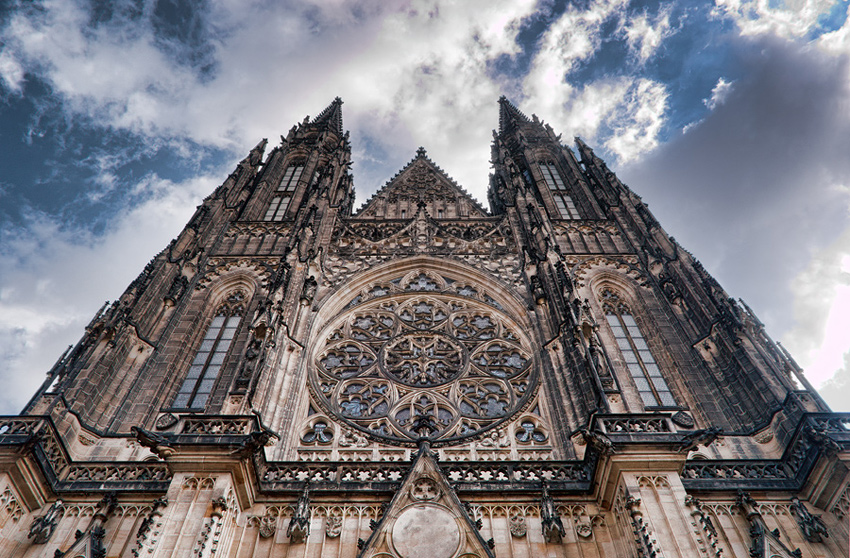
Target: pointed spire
{"x": 509, "y": 114}
{"x": 331, "y": 116}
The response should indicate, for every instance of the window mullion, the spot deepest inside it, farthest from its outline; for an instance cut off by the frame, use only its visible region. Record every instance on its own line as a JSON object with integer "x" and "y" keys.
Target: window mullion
{"x": 209, "y": 358}
{"x": 639, "y": 358}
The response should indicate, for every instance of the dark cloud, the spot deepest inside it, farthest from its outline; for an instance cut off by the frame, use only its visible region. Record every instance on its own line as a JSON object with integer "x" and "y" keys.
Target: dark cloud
{"x": 751, "y": 189}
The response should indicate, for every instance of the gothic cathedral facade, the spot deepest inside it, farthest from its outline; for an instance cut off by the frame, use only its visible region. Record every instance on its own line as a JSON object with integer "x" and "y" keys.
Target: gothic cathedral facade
{"x": 423, "y": 376}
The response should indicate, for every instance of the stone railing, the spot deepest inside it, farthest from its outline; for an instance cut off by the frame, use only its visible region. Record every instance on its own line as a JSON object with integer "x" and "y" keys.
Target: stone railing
{"x": 635, "y": 424}
{"x": 574, "y": 476}
{"x": 38, "y": 435}
{"x": 816, "y": 434}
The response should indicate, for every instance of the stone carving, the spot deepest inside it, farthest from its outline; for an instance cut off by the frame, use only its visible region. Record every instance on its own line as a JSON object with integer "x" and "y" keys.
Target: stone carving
{"x": 43, "y": 526}
{"x": 254, "y": 442}
{"x": 702, "y": 437}
{"x": 147, "y": 534}
{"x": 308, "y": 293}
{"x": 165, "y": 421}
{"x": 333, "y": 526}
{"x": 267, "y": 526}
{"x": 553, "y": 527}
{"x": 159, "y": 445}
{"x": 646, "y": 543}
{"x": 704, "y": 521}
{"x": 598, "y": 441}
{"x": 425, "y": 489}
{"x": 812, "y": 526}
{"x": 683, "y": 419}
{"x": 349, "y": 439}
{"x": 584, "y": 528}
{"x": 299, "y": 525}
{"x": 763, "y": 539}
{"x": 518, "y": 526}
{"x": 841, "y": 509}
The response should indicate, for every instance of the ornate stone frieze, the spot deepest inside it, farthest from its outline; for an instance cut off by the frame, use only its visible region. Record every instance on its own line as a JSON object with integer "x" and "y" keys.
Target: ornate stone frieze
{"x": 216, "y": 267}
{"x": 9, "y": 502}
{"x": 510, "y": 475}
{"x": 841, "y": 508}
{"x": 627, "y": 265}
{"x": 258, "y": 229}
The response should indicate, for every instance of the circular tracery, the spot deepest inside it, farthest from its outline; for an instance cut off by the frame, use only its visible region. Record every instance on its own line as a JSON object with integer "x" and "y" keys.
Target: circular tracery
{"x": 420, "y": 364}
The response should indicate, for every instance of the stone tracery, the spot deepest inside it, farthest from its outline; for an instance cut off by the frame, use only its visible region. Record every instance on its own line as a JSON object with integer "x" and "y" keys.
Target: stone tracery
{"x": 423, "y": 355}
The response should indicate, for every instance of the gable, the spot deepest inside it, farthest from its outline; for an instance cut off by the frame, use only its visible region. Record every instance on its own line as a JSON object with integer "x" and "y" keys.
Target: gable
{"x": 425, "y": 519}
{"x": 421, "y": 183}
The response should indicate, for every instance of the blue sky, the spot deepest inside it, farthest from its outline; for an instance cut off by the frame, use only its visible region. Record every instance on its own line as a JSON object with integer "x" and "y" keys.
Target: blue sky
{"x": 731, "y": 119}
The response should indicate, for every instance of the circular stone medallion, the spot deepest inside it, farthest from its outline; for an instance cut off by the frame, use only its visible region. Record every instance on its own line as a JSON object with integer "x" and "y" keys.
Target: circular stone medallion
{"x": 424, "y": 531}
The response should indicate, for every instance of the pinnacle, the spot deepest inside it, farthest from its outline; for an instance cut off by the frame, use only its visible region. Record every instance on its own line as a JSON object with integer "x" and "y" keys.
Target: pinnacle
{"x": 509, "y": 114}
{"x": 331, "y": 116}
{"x": 420, "y": 153}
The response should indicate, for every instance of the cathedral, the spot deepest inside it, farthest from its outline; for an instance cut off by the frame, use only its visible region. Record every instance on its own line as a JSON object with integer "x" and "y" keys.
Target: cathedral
{"x": 549, "y": 376}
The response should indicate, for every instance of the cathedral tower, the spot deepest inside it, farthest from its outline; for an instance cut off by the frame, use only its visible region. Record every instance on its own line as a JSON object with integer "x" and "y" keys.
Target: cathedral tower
{"x": 552, "y": 376}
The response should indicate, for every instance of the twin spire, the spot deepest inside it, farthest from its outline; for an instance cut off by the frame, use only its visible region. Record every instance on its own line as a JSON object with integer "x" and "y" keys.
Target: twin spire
{"x": 509, "y": 115}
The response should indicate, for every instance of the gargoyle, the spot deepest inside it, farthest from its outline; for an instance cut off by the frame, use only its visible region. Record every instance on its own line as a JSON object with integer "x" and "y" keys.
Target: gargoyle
{"x": 255, "y": 442}
{"x": 158, "y": 444}
{"x": 699, "y": 437}
{"x": 598, "y": 442}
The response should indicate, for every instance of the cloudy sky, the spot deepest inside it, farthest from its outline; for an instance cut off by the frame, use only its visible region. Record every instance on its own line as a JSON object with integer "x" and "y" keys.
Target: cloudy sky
{"x": 731, "y": 119}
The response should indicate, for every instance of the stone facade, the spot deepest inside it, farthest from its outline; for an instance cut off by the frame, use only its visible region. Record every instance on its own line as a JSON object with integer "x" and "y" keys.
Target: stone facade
{"x": 554, "y": 376}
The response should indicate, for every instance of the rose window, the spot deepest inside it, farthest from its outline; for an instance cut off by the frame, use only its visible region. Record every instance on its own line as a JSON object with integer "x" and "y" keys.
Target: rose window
{"x": 423, "y": 363}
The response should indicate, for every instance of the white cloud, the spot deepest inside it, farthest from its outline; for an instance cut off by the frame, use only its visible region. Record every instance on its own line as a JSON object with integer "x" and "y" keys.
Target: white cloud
{"x": 645, "y": 36}
{"x": 11, "y": 72}
{"x": 820, "y": 337}
{"x": 631, "y": 110}
{"x": 637, "y": 122}
{"x": 719, "y": 93}
{"x": 786, "y": 19}
{"x": 575, "y": 36}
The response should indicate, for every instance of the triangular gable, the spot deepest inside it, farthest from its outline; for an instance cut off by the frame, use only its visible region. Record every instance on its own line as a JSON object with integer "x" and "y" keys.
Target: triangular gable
{"x": 421, "y": 182}
{"x": 425, "y": 519}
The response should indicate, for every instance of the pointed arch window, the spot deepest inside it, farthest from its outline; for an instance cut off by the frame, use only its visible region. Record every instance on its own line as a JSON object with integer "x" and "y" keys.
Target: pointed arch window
{"x": 563, "y": 201}
{"x": 196, "y": 388}
{"x": 283, "y": 194}
{"x": 652, "y": 388}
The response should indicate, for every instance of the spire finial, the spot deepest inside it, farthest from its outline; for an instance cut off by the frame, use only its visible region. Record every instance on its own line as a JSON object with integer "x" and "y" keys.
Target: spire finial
{"x": 421, "y": 152}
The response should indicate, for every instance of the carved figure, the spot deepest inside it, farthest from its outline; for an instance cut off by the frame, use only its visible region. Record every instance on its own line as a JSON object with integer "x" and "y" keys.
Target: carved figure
{"x": 812, "y": 526}
{"x": 42, "y": 527}
{"x": 299, "y": 525}
{"x": 553, "y": 527}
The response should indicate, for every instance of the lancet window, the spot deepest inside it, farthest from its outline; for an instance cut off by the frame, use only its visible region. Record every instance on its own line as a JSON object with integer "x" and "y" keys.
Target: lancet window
{"x": 196, "y": 388}
{"x": 283, "y": 194}
{"x": 652, "y": 388}
{"x": 563, "y": 201}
